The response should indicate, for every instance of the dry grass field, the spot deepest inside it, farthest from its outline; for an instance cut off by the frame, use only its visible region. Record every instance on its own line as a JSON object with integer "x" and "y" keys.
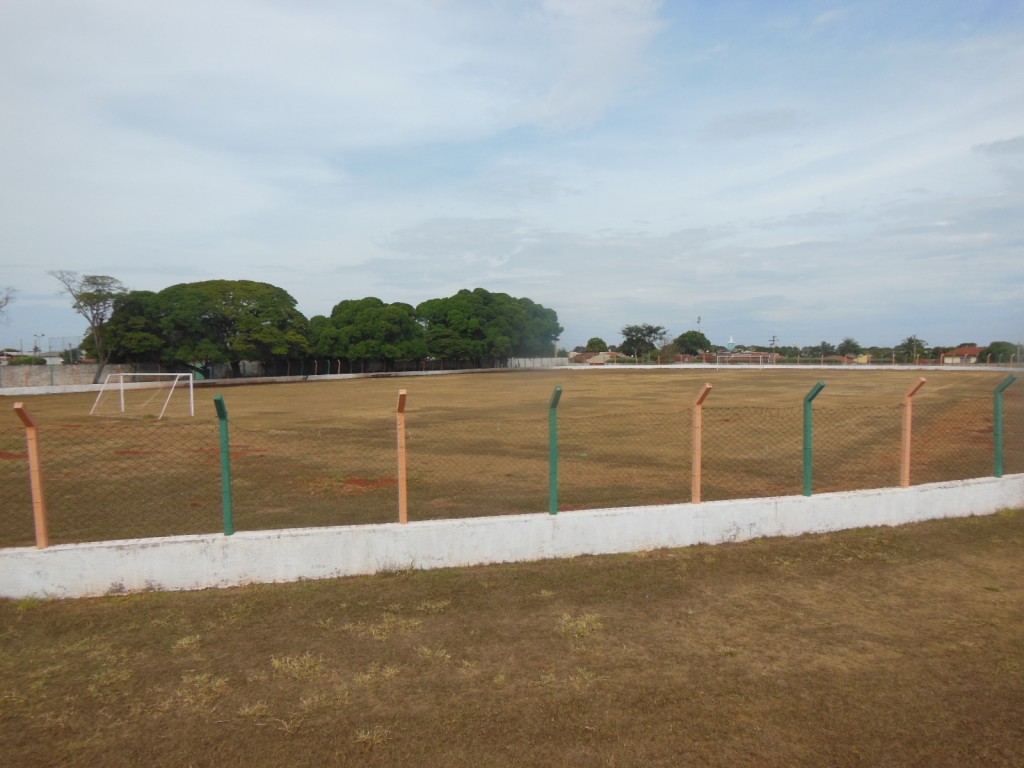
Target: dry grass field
{"x": 879, "y": 647}
{"x": 323, "y": 452}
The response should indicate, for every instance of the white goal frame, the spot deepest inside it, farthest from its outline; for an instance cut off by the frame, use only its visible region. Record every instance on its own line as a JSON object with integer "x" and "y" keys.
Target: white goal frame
{"x": 760, "y": 359}
{"x": 120, "y": 382}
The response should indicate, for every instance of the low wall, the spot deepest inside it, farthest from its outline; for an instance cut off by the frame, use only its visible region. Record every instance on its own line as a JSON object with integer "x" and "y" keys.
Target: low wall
{"x": 214, "y": 560}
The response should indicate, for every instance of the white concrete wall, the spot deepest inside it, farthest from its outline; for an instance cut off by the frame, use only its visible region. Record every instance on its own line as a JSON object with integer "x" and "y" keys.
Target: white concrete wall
{"x": 197, "y": 562}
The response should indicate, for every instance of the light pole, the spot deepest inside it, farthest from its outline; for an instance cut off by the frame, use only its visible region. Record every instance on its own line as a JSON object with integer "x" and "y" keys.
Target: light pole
{"x": 35, "y": 342}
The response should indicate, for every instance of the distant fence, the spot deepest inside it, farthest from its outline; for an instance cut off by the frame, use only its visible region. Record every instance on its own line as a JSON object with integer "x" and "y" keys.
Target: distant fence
{"x": 131, "y": 478}
{"x": 82, "y": 374}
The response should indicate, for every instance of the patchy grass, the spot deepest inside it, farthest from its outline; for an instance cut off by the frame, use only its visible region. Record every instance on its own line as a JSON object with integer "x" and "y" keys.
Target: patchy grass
{"x": 876, "y": 647}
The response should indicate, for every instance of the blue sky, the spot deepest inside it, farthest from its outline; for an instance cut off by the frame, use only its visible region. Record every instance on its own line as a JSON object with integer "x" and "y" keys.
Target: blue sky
{"x": 800, "y": 170}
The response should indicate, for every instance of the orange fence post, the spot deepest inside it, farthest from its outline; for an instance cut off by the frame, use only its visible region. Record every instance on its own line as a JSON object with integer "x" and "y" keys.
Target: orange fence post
{"x": 403, "y": 497}
{"x": 698, "y": 432}
{"x": 908, "y": 419}
{"x": 35, "y": 478}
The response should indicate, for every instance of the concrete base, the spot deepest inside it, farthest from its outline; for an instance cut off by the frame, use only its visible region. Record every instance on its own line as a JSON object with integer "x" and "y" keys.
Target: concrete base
{"x": 214, "y": 560}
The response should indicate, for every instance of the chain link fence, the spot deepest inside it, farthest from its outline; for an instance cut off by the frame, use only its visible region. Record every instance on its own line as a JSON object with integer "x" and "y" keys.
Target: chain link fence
{"x": 618, "y": 460}
{"x": 132, "y": 478}
{"x": 474, "y": 467}
{"x": 116, "y": 479}
{"x": 15, "y": 491}
{"x": 303, "y": 477}
{"x": 751, "y": 452}
{"x": 1013, "y": 420}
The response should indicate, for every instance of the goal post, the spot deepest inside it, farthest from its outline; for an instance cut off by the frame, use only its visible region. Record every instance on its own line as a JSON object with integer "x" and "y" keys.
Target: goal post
{"x": 760, "y": 359}
{"x": 145, "y": 395}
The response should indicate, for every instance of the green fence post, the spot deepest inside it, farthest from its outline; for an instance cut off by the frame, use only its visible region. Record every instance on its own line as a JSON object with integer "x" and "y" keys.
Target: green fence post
{"x": 997, "y": 422}
{"x": 809, "y": 435}
{"x": 225, "y": 465}
{"x": 553, "y": 451}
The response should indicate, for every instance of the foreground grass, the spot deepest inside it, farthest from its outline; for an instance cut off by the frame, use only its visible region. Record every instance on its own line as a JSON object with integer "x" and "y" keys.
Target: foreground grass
{"x": 877, "y": 647}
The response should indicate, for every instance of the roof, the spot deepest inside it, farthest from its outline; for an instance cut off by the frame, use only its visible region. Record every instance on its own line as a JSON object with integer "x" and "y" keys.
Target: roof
{"x": 965, "y": 352}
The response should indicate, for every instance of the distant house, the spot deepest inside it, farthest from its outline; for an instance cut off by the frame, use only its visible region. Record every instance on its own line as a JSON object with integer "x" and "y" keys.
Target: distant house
{"x": 962, "y": 356}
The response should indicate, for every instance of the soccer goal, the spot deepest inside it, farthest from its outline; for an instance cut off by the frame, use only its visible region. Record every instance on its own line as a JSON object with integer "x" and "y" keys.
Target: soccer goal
{"x": 142, "y": 395}
{"x": 745, "y": 358}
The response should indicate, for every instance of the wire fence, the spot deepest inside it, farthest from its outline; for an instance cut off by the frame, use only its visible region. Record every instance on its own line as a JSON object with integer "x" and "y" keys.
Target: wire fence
{"x": 133, "y": 478}
{"x": 751, "y": 452}
{"x": 313, "y": 476}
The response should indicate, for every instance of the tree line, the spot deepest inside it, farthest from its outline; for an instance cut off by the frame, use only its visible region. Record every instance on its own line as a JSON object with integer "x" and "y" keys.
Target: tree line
{"x": 644, "y": 341}
{"x": 192, "y": 326}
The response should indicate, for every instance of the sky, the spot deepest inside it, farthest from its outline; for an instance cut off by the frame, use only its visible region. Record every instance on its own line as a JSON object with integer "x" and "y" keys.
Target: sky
{"x": 797, "y": 171}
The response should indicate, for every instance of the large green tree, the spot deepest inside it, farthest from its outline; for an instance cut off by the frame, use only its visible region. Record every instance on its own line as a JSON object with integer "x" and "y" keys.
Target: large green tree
{"x": 133, "y": 330}
{"x": 365, "y": 330}
{"x": 215, "y": 321}
{"x": 486, "y": 329}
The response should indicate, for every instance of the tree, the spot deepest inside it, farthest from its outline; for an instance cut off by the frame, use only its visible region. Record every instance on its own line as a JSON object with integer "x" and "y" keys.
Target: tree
{"x": 1000, "y": 352}
{"x": 192, "y": 325}
{"x": 595, "y": 344}
{"x": 6, "y": 295}
{"x": 912, "y": 348}
{"x": 849, "y": 347}
{"x": 692, "y": 343}
{"x": 368, "y": 329}
{"x": 486, "y": 329}
{"x": 94, "y": 298}
{"x": 639, "y": 340}
{"x": 824, "y": 349}
{"x": 133, "y": 333}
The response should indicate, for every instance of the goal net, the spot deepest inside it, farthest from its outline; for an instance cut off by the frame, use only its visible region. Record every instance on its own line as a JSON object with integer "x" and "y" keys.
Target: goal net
{"x": 745, "y": 358}
{"x": 145, "y": 395}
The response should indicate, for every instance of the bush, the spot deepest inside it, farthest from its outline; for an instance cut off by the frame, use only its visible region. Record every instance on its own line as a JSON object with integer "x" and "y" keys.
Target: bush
{"x": 28, "y": 360}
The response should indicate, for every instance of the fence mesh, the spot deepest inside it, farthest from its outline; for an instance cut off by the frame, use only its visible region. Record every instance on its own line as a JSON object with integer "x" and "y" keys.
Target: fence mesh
{"x": 122, "y": 479}
{"x": 475, "y": 467}
{"x": 751, "y": 452}
{"x": 127, "y": 478}
{"x": 1013, "y": 429}
{"x": 304, "y": 477}
{"x": 616, "y": 460}
{"x": 856, "y": 447}
{"x": 952, "y": 440}
{"x": 15, "y": 491}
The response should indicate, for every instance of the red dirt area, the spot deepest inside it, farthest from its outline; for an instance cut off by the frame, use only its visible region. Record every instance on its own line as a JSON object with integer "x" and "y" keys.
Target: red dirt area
{"x": 10, "y": 455}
